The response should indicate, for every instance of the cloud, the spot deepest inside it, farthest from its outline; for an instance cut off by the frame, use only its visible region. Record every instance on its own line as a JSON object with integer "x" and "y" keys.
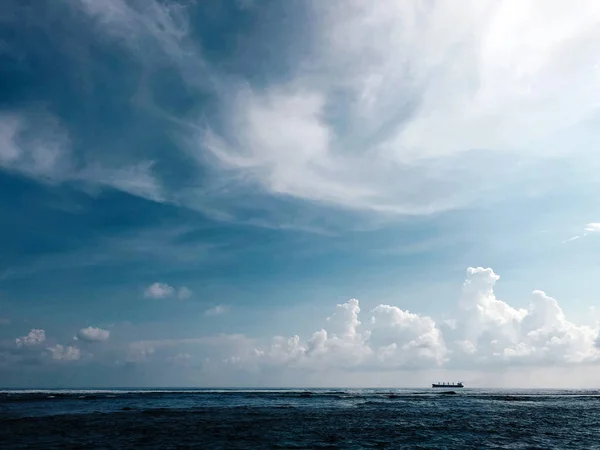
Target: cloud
{"x": 69, "y": 353}
{"x": 589, "y": 228}
{"x": 482, "y": 333}
{"x": 156, "y": 33}
{"x": 390, "y": 107}
{"x": 391, "y": 339}
{"x": 419, "y": 337}
{"x": 34, "y": 337}
{"x": 217, "y": 310}
{"x": 37, "y": 145}
{"x": 163, "y": 290}
{"x": 387, "y": 107}
{"x": 486, "y": 332}
{"x": 134, "y": 179}
{"x": 93, "y": 334}
{"x": 399, "y": 107}
{"x": 159, "y": 290}
{"x": 494, "y": 332}
{"x": 592, "y": 227}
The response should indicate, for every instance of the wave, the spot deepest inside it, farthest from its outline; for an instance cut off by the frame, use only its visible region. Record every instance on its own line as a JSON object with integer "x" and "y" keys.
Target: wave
{"x": 24, "y": 395}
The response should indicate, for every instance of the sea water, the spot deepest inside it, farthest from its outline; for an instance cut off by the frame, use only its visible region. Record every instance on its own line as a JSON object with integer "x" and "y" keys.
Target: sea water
{"x": 300, "y": 418}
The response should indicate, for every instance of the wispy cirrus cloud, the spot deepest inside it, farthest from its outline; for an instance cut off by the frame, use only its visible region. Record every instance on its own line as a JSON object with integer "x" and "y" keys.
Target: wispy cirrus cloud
{"x": 590, "y": 228}
{"x": 390, "y": 108}
{"x": 38, "y": 146}
{"x": 146, "y": 27}
{"x": 430, "y": 101}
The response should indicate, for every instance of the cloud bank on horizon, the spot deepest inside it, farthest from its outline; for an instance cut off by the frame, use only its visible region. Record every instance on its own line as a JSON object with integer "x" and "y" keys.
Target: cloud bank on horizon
{"x": 486, "y": 334}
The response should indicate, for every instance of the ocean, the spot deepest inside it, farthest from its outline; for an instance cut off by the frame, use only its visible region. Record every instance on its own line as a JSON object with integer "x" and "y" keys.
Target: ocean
{"x": 300, "y": 418}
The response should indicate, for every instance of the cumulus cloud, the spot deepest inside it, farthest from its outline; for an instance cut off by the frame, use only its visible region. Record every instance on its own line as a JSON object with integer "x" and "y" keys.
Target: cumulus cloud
{"x": 490, "y": 330}
{"x": 481, "y": 333}
{"x": 34, "y": 337}
{"x": 92, "y": 334}
{"x": 69, "y": 353}
{"x": 159, "y": 290}
{"x": 486, "y": 332}
{"x": 217, "y": 310}
{"x": 163, "y": 290}
{"x": 405, "y": 338}
{"x": 390, "y": 339}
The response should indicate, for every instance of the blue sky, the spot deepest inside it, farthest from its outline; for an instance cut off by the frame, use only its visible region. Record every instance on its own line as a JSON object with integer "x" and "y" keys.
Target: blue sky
{"x": 195, "y": 193}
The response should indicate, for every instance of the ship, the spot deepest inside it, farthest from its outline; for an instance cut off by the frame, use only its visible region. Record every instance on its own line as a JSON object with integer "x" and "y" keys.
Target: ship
{"x": 448, "y": 385}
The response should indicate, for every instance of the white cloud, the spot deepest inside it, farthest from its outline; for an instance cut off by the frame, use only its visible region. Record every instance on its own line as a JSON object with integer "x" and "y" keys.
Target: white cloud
{"x": 420, "y": 338}
{"x": 159, "y": 290}
{"x": 134, "y": 179}
{"x": 391, "y": 339}
{"x": 37, "y": 145}
{"x": 480, "y": 335}
{"x": 163, "y": 290}
{"x": 394, "y": 107}
{"x": 93, "y": 334}
{"x": 34, "y": 337}
{"x": 69, "y": 353}
{"x": 401, "y": 106}
{"x": 589, "y": 228}
{"x": 541, "y": 334}
{"x": 592, "y": 227}
{"x": 217, "y": 310}
{"x": 486, "y": 332}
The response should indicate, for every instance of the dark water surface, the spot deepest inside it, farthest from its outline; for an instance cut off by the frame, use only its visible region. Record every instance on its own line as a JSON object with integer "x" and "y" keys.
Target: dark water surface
{"x": 318, "y": 418}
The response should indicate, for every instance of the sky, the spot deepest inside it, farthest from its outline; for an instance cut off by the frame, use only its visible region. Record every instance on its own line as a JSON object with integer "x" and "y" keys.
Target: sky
{"x": 301, "y": 193}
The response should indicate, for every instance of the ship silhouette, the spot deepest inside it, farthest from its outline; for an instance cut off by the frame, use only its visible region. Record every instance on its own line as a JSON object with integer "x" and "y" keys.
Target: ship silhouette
{"x": 448, "y": 385}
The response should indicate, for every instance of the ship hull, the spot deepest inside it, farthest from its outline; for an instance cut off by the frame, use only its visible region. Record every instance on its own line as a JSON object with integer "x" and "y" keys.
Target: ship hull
{"x": 447, "y": 386}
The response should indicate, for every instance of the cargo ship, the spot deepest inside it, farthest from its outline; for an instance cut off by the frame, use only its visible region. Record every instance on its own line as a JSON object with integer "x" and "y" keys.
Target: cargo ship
{"x": 448, "y": 385}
